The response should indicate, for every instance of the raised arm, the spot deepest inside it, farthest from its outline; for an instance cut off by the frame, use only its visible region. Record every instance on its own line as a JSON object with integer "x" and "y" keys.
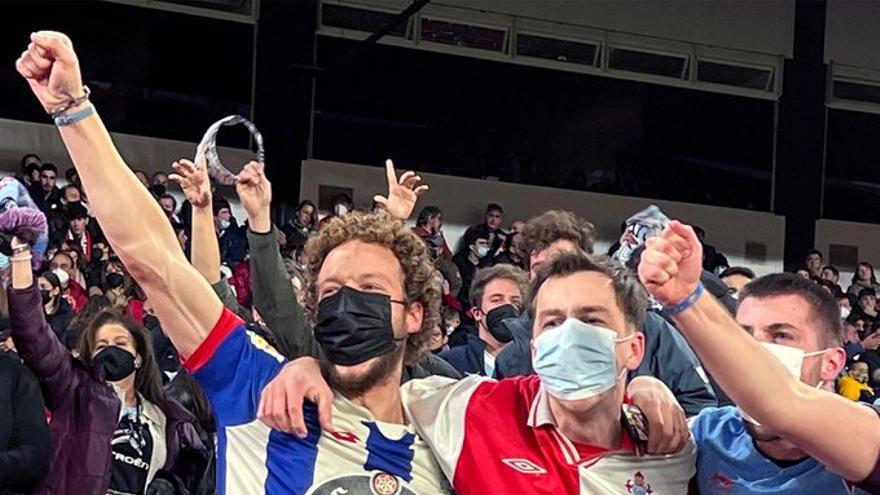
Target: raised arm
{"x": 193, "y": 181}
{"x": 35, "y": 341}
{"x": 670, "y": 268}
{"x": 273, "y": 292}
{"x": 131, "y": 219}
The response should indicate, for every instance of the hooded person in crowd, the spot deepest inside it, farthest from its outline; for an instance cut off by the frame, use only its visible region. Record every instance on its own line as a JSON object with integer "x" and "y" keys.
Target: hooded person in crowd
{"x": 429, "y": 227}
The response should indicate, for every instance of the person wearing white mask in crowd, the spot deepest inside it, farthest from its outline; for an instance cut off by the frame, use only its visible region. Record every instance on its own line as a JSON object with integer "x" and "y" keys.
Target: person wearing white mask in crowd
{"x": 788, "y": 437}
{"x": 567, "y": 429}
{"x": 470, "y": 257}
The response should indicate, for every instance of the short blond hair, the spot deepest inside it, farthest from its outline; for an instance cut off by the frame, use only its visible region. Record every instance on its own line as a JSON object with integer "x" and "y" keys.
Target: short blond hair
{"x": 408, "y": 248}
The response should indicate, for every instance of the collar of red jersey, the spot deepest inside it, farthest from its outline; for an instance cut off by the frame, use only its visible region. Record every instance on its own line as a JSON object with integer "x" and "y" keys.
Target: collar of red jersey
{"x": 540, "y": 413}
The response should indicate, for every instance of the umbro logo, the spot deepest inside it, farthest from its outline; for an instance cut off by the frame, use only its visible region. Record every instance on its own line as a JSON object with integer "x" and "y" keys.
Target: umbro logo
{"x": 524, "y": 466}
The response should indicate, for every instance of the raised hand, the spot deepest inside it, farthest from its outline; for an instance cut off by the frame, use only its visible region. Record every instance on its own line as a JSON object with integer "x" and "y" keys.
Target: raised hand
{"x": 402, "y": 193}
{"x": 51, "y": 68}
{"x": 255, "y": 192}
{"x": 193, "y": 180}
{"x": 672, "y": 264}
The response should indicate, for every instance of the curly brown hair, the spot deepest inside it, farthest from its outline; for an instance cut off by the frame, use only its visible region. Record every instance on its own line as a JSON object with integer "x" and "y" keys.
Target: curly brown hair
{"x": 553, "y": 225}
{"x": 411, "y": 252}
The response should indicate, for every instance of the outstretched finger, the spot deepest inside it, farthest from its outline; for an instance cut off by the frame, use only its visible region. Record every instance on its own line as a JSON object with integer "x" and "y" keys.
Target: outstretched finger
{"x": 420, "y": 190}
{"x": 390, "y": 173}
{"x": 407, "y": 176}
{"x": 176, "y": 178}
{"x": 412, "y": 182}
{"x": 382, "y": 200}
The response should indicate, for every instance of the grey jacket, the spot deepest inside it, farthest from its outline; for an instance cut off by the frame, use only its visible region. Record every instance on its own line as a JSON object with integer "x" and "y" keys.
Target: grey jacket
{"x": 668, "y": 358}
{"x": 287, "y": 321}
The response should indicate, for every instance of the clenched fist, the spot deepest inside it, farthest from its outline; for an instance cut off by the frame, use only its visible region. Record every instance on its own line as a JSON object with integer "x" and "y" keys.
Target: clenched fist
{"x": 51, "y": 68}
{"x": 672, "y": 264}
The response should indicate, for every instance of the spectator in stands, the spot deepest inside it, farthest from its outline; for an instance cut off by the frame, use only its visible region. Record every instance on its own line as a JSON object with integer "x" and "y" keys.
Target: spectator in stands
{"x": 72, "y": 177}
{"x": 78, "y": 232}
{"x": 71, "y": 195}
{"x": 867, "y": 309}
{"x": 803, "y": 273}
{"x": 667, "y": 356}
{"x": 168, "y": 204}
{"x": 713, "y": 260}
{"x": 831, "y": 274}
{"x": 47, "y": 195}
{"x": 303, "y": 224}
{"x": 142, "y": 178}
{"x": 29, "y": 170}
{"x": 863, "y": 278}
{"x": 59, "y": 312}
{"x": 492, "y": 225}
{"x": 429, "y": 227}
{"x": 438, "y": 339}
{"x": 24, "y": 434}
{"x": 159, "y": 179}
{"x": 854, "y": 384}
{"x": 813, "y": 263}
{"x": 794, "y": 339}
{"x": 474, "y": 249}
{"x": 514, "y": 249}
{"x": 62, "y": 265}
{"x": 736, "y": 277}
{"x": 87, "y": 451}
{"x": 496, "y": 294}
{"x": 342, "y": 205}
{"x": 233, "y": 242}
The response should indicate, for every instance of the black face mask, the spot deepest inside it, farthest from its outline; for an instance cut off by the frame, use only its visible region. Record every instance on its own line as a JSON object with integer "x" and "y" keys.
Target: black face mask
{"x": 115, "y": 280}
{"x": 46, "y": 296}
{"x": 355, "y": 326}
{"x": 116, "y": 361}
{"x": 494, "y": 321}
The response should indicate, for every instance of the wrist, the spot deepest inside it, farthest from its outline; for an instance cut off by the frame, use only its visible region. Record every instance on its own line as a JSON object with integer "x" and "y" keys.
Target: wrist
{"x": 686, "y": 303}
{"x": 261, "y": 223}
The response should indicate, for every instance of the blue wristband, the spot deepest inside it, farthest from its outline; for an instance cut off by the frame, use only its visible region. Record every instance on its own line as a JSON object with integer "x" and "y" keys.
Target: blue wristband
{"x": 687, "y": 303}
{"x": 75, "y": 117}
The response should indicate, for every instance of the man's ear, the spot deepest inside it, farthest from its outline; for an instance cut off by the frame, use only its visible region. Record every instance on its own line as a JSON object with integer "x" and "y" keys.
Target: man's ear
{"x": 833, "y": 362}
{"x": 637, "y": 351}
{"x": 477, "y": 314}
{"x": 415, "y": 314}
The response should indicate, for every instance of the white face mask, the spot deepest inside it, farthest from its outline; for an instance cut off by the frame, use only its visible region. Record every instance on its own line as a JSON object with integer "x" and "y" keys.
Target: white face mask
{"x": 793, "y": 360}
{"x": 844, "y": 313}
{"x": 576, "y": 360}
{"x": 340, "y": 210}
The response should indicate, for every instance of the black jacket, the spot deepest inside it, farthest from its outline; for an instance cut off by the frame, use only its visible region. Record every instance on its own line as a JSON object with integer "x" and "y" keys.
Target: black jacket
{"x": 467, "y": 359}
{"x": 24, "y": 434}
{"x": 667, "y": 358}
{"x": 60, "y": 320}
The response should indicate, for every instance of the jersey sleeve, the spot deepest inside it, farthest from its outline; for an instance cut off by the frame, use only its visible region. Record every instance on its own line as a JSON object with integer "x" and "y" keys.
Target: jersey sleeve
{"x": 233, "y": 365}
{"x": 437, "y": 408}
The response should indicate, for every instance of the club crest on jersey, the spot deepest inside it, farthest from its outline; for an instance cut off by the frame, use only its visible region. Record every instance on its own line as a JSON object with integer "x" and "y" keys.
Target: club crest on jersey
{"x": 384, "y": 484}
{"x": 638, "y": 485}
{"x": 376, "y": 483}
{"x": 524, "y": 466}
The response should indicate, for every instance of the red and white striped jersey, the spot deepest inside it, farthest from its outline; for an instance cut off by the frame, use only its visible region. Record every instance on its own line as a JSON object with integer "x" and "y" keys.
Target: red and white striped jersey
{"x": 500, "y": 437}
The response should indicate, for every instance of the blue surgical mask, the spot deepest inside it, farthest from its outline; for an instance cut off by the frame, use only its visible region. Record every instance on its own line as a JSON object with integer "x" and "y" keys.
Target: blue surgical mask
{"x": 576, "y": 360}
{"x": 4, "y": 261}
{"x": 482, "y": 251}
{"x": 224, "y": 224}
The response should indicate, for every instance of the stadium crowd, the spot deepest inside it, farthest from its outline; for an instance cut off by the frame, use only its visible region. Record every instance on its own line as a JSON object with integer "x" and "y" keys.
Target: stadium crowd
{"x": 151, "y": 347}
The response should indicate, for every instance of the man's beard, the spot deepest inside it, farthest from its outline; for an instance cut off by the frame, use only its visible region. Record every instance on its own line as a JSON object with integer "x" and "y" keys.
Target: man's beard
{"x": 377, "y": 372}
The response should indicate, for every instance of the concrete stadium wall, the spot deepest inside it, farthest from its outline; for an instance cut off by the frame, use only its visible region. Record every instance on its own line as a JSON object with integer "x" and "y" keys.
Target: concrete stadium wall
{"x": 463, "y": 202}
